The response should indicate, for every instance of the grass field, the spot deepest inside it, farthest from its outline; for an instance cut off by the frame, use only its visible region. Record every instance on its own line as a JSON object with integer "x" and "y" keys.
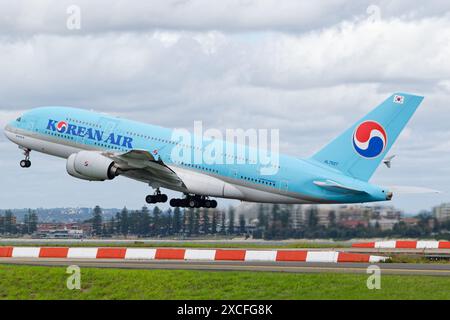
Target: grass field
{"x": 26, "y": 282}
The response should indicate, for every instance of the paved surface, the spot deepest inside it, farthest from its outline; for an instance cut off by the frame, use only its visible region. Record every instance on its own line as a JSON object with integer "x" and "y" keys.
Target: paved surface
{"x": 295, "y": 267}
{"x": 236, "y": 240}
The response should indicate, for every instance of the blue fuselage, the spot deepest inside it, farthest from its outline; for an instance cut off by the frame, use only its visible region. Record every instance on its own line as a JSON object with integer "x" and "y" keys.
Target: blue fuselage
{"x": 60, "y": 131}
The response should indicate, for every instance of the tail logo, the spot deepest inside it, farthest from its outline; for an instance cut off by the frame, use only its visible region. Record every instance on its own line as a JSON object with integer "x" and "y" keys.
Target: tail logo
{"x": 369, "y": 139}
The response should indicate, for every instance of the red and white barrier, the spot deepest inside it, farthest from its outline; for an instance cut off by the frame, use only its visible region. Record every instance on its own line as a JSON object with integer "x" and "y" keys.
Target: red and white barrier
{"x": 404, "y": 244}
{"x": 186, "y": 254}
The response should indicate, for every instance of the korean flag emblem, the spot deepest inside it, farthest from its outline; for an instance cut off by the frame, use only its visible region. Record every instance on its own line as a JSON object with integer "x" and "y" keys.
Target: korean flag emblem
{"x": 399, "y": 99}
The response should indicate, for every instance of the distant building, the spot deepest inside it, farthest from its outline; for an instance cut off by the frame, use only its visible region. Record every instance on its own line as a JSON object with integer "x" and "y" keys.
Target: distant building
{"x": 354, "y": 223}
{"x": 410, "y": 221}
{"x": 384, "y": 224}
{"x": 386, "y": 212}
{"x": 298, "y": 216}
{"x": 62, "y": 230}
{"x": 353, "y": 213}
{"x": 13, "y": 220}
{"x": 61, "y": 234}
{"x": 349, "y": 216}
{"x": 442, "y": 212}
{"x": 386, "y": 217}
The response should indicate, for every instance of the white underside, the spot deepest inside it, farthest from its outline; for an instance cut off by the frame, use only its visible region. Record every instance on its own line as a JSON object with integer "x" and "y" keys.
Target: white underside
{"x": 196, "y": 183}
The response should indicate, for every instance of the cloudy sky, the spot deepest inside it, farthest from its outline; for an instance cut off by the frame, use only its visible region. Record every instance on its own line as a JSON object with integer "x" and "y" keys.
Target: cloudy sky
{"x": 308, "y": 68}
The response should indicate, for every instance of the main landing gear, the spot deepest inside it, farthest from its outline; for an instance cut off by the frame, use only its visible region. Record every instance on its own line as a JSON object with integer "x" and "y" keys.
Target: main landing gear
{"x": 193, "y": 202}
{"x": 157, "y": 197}
{"x": 26, "y": 163}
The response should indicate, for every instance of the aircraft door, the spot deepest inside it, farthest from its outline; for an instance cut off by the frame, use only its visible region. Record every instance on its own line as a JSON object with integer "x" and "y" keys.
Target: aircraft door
{"x": 234, "y": 173}
{"x": 284, "y": 186}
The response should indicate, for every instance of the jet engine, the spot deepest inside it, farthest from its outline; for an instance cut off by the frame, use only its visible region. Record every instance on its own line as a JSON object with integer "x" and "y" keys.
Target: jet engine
{"x": 92, "y": 166}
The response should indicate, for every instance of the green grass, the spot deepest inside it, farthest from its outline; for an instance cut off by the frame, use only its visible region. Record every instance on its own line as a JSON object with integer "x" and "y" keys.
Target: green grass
{"x": 140, "y": 244}
{"x": 27, "y": 282}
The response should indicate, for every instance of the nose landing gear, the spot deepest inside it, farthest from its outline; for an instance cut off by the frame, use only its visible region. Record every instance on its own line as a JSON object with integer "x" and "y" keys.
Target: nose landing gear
{"x": 26, "y": 163}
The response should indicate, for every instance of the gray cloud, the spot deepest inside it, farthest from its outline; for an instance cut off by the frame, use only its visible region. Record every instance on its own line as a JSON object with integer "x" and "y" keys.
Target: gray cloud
{"x": 310, "y": 69}
{"x": 49, "y": 16}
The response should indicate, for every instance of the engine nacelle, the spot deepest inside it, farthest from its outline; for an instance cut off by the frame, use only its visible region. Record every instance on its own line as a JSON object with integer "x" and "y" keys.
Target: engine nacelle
{"x": 92, "y": 166}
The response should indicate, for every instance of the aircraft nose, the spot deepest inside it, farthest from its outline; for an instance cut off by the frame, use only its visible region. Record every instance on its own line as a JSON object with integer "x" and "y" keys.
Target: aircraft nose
{"x": 8, "y": 130}
{"x": 8, "y": 127}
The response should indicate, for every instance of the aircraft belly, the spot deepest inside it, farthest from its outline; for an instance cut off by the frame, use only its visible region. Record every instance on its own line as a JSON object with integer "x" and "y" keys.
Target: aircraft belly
{"x": 203, "y": 184}
{"x": 36, "y": 144}
{"x": 255, "y": 195}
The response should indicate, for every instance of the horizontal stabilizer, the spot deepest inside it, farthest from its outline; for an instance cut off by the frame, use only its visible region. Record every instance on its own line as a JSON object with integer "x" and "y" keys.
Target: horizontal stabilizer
{"x": 337, "y": 187}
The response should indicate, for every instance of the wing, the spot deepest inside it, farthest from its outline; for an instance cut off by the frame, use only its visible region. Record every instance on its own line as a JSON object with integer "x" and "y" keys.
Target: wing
{"x": 337, "y": 187}
{"x": 143, "y": 166}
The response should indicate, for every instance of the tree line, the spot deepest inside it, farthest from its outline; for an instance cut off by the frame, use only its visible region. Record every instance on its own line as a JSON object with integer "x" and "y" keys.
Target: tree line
{"x": 9, "y": 225}
{"x": 156, "y": 223}
{"x": 277, "y": 225}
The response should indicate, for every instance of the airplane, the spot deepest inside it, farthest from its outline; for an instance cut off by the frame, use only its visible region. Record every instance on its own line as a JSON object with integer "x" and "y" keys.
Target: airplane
{"x": 99, "y": 147}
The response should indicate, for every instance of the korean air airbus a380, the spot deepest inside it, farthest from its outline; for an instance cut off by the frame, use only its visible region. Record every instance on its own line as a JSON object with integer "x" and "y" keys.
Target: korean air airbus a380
{"x": 100, "y": 147}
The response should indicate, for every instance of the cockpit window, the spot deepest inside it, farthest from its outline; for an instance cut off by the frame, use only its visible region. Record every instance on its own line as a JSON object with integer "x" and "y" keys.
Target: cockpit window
{"x": 18, "y": 119}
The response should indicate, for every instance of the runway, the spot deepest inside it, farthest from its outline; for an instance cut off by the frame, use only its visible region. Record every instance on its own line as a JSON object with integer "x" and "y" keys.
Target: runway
{"x": 291, "y": 267}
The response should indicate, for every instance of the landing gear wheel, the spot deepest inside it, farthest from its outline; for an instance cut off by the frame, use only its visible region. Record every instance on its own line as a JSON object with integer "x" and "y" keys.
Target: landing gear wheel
{"x": 192, "y": 203}
{"x": 183, "y": 203}
{"x": 174, "y": 202}
{"x": 25, "y": 163}
{"x": 150, "y": 199}
{"x": 162, "y": 197}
